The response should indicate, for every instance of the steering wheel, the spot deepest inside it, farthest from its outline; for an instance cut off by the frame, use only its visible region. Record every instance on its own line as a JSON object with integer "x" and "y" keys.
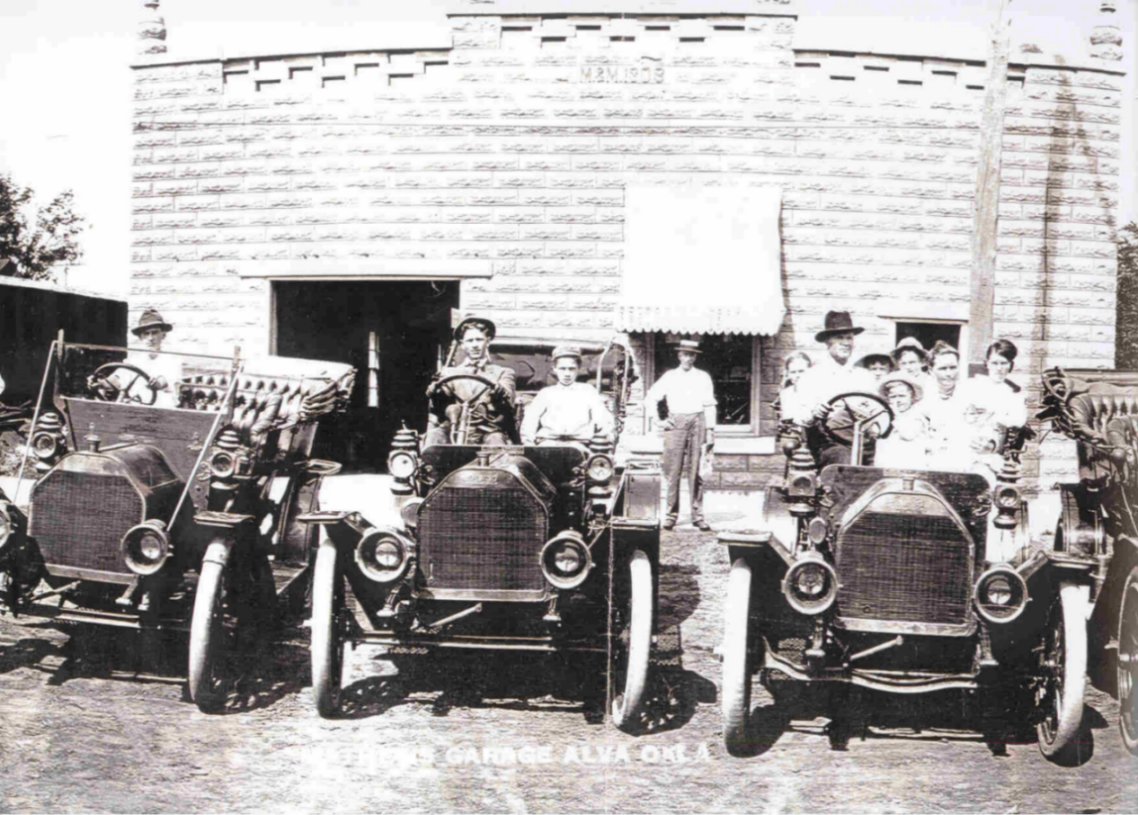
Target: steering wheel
{"x": 481, "y": 380}
{"x": 104, "y": 388}
{"x": 846, "y": 409}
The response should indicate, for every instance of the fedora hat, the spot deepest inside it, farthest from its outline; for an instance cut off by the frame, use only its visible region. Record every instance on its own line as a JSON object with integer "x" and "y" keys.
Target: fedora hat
{"x": 837, "y": 322}
{"x": 692, "y": 346}
{"x": 910, "y": 344}
{"x": 150, "y": 319}
{"x": 903, "y": 378}
{"x": 566, "y": 351}
{"x": 481, "y": 323}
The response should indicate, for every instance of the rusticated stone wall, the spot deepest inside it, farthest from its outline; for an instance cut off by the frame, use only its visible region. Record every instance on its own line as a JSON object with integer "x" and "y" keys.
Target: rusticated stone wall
{"x": 503, "y": 161}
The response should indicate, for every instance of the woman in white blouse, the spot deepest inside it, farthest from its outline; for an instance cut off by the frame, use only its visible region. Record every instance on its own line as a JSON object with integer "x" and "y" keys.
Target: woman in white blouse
{"x": 996, "y": 392}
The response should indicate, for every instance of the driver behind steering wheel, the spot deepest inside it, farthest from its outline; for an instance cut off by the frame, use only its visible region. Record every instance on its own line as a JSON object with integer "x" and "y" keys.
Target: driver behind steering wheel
{"x": 164, "y": 370}
{"x": 832, "y": 375}
{"x": 490, "y": 409}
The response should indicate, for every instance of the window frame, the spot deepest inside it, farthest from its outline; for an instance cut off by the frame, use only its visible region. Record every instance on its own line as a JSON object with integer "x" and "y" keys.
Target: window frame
{"x": 652, "y": 373}
{"x": 896, "y": 311}
{"x": 963, "y": 325}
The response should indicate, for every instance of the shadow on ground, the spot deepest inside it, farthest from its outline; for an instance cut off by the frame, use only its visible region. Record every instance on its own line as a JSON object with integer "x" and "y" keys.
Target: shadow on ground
{"x": 576, "y": 685}
{"x": 853, "y": 715}
{"x": 255, "y": 677}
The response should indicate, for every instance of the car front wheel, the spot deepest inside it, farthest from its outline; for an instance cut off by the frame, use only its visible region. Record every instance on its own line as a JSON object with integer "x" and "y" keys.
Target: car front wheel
{"x": 631, "y": 676}
{"x": 1128, "y": 663}
{"x": 326, "y": 647}
{"x": 1063, "y": 676}
{"x": 736, "y": 682}
{"x": 207, "y": 630}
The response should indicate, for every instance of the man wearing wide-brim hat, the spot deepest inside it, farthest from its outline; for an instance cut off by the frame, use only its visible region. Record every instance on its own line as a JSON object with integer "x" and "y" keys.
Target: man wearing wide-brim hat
{"x": 467, "y": 411}
{"x": 685, "y": 399}
{"x": 163, "y": 369}
{"x": 834, "y": 374}
{"x": 568, "y": 411}
{"x": 151, "y": 325}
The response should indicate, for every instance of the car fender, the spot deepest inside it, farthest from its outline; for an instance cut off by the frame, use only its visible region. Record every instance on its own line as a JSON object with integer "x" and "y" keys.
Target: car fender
{"x": 1079, "y": 530}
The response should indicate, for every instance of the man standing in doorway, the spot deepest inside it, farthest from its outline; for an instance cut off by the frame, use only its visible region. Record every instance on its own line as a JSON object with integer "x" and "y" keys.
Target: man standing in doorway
{"x": 466, "y": 411}
{"x": 689, "y": 426}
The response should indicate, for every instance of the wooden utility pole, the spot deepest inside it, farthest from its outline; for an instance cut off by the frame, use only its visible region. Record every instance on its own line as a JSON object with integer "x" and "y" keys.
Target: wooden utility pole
{"x": 986, "y": 218}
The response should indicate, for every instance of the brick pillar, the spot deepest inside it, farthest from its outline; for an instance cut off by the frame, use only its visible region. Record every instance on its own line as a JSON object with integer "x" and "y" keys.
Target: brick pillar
{"x": 1106, "y": 36}
{"x": 151, "y": 30}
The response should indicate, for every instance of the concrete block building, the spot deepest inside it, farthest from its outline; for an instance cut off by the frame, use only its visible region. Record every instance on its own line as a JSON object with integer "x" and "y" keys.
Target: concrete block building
{"x": 727, "y": 169}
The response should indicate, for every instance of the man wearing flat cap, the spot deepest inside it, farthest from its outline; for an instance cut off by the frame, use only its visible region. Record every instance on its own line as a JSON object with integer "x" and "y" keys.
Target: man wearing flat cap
{"x": 685, "y": 400}
{"x": 835, "y": 373}
{"x": 467, "y": 411}
{"x": 568, "y": 411}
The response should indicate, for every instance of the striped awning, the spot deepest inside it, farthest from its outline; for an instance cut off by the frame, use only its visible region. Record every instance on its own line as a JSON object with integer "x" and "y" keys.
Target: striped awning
{"x": 702, "y": 260}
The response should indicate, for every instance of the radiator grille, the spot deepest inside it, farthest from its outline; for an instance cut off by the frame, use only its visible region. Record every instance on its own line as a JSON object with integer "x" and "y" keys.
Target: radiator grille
{"x": 78, "y": 519}
{"x": 482, "y": 538}
{"x": 904, "y": 568}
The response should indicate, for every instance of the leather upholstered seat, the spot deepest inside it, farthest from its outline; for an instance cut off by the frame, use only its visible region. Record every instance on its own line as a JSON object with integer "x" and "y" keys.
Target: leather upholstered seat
{"x": 263, "y": 403}
{"x": 1092, "y": 411}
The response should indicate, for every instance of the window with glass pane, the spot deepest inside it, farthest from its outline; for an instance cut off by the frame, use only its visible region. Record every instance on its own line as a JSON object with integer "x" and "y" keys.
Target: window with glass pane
{"x": 729, "y": 360}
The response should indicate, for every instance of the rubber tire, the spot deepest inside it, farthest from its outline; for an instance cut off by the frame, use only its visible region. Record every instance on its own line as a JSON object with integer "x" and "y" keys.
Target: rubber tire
{"x": 1128, "y": 668}
{"x": 628, "y": 701}
{"x": 207, "y": 629}
{"x": 735, "y": 693}
{"x": 326, "y": 647}
{"x": 1063, "y": 745}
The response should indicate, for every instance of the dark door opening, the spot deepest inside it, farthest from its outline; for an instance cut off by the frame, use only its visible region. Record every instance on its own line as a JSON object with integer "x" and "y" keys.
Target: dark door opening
{"x": 391, "y": 332}
{"x": 929, "y": 333}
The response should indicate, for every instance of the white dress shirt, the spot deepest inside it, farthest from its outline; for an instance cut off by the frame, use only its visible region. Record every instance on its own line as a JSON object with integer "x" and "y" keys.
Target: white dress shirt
{"x": 156, "y": 365}
{"x": 689, "y": 391}
{"x": 954, "y": 426}
{"x": 576, "y": 411}
{"x": 1008, "y": 407}
{"x": 825, "y": 380}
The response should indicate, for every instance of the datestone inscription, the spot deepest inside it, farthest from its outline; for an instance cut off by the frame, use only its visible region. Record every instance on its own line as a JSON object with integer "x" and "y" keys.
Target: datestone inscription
{"x": 644, "y": 73}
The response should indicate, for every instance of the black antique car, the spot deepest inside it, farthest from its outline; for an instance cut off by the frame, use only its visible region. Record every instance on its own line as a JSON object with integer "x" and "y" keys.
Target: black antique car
{"x": 154, "y": 506}
{"x": 542, "y": 549}
{"x": 1098, "y": 524}
{"x": 900, "y": 582}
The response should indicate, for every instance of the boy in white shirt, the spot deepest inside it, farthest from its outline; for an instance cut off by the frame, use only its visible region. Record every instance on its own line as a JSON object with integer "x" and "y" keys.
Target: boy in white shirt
{"x": 569, "y": 411}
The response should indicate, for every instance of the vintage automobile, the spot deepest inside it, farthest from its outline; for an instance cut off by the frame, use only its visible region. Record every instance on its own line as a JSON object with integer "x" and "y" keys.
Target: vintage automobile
{"x": 545, "y": 549}
{"x": 900, "y": 582}
{"x": 154, "y": 506}
{"x": 1099, "y": 520}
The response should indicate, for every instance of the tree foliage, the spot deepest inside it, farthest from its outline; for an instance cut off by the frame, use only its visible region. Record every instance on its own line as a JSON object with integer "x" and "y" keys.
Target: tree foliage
{"x": 41, "y": 240}
{"x": 1126, "y": 316}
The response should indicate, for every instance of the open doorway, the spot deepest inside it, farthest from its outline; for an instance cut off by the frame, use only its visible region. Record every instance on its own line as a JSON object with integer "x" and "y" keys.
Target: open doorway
{"x": 391, "y": 332}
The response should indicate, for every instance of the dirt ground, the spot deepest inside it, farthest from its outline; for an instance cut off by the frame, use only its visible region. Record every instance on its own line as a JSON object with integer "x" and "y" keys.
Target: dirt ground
{"x": 79, "y": 732}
